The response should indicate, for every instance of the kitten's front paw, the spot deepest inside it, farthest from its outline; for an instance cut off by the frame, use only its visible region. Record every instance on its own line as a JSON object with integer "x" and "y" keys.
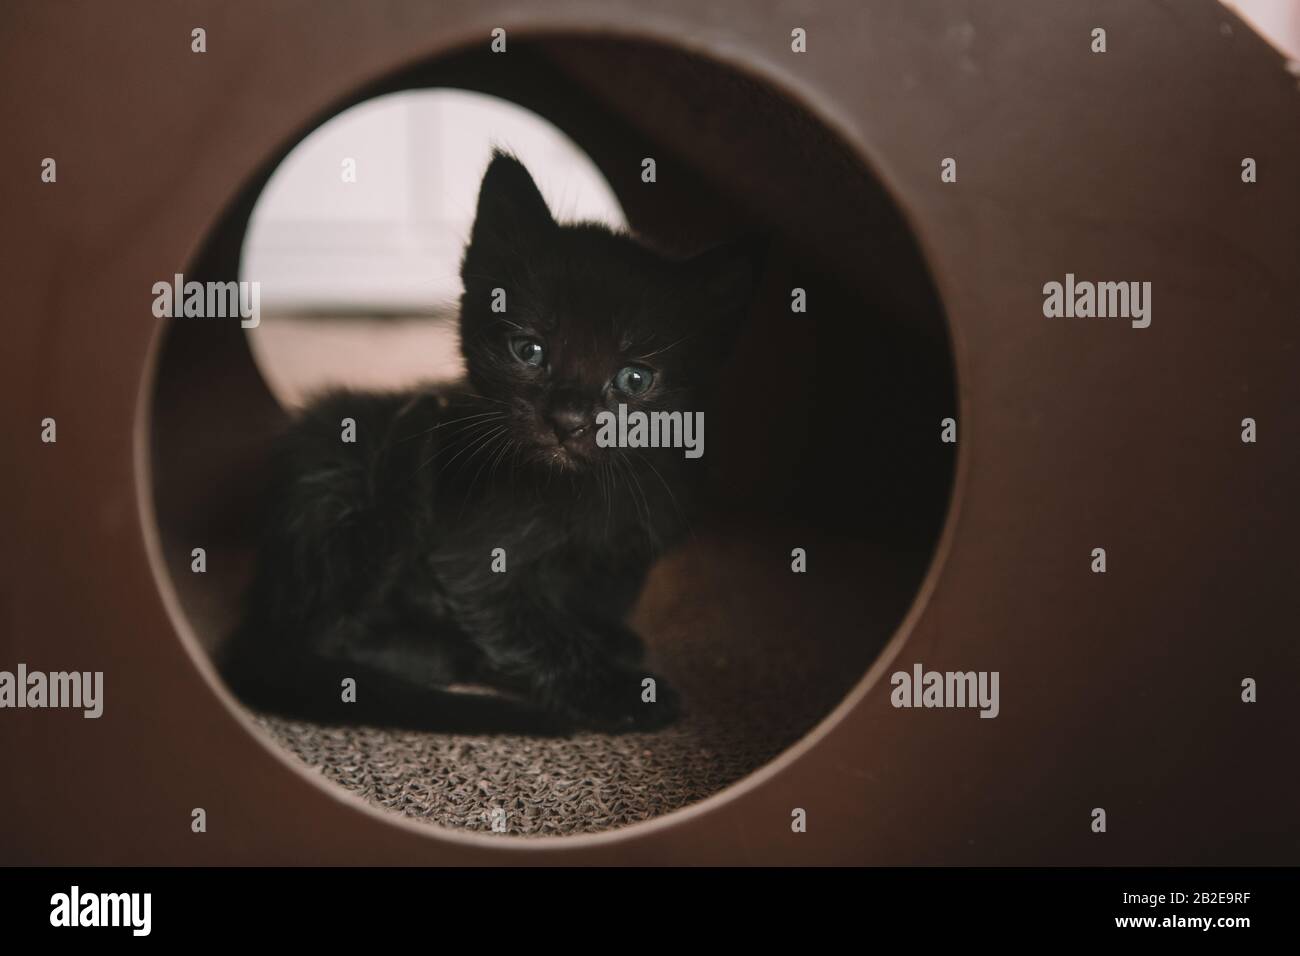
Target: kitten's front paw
{"x": 625, "y": 701}
{"x": 625, "y": 643}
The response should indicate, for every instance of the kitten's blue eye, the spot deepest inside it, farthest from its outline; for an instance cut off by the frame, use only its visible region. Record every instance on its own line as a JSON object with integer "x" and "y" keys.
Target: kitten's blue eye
{"x": 529, "y": 351}
{"x": 633, "y": 379}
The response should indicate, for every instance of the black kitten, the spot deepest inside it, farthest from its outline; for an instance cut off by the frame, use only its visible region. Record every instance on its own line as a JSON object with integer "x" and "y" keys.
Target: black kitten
{"x": 482, "y": 534}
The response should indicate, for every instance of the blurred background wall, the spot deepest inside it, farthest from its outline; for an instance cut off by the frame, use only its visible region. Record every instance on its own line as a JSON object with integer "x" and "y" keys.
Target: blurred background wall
{"x": 1278, "y": 21}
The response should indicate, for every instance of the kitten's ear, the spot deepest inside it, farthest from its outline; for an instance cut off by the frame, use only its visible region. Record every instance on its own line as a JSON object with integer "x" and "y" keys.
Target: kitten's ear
{"x": 512, "y": 215}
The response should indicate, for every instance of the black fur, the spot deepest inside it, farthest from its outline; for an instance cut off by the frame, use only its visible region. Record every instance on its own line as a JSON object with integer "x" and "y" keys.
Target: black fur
{"x": 377, "y": 557}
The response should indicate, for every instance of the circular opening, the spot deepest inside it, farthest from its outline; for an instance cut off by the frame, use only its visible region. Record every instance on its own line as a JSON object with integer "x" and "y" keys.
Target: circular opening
{"x": 828, "y": 483}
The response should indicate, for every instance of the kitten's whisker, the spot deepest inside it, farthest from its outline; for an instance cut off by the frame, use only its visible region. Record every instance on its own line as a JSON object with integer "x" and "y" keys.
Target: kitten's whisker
{"x": 600, "y": 483}
{"x": 635, "y": 490}
{"x": 475, "y": 397}
{"x": 506, "y": 445}
{"x": 482, "y": 439}
{"x": 464, "y": 438}
{"x": 645, "y": 499}
{"x": 668, "y": 488}
{"x": 670, "y": 345}
{"x": 454, "y": 421}
{"x": 609, "y": 496}
{"x": 486, "y": 443}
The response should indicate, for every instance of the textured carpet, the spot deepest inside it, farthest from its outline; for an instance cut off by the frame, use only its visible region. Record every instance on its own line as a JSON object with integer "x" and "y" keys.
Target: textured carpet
{"x": 759, "y": 653}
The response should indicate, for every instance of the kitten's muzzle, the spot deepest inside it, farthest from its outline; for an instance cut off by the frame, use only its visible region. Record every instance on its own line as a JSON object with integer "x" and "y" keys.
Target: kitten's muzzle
{"x": 569, "y": 423}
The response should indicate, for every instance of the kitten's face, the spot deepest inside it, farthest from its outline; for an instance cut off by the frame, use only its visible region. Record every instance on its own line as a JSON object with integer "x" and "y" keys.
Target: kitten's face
{"x": 560, "y": 323}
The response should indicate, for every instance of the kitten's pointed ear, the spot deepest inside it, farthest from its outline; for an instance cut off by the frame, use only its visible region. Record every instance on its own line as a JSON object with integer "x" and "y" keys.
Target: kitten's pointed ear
{"x": 512, "y": 215}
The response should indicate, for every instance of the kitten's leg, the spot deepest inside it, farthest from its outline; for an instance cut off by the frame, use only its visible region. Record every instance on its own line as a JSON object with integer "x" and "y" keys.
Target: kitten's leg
{"x": 566, "y": 666}
{"x": 303, "y": 667}
{"x": 606, "y": 599}
{"x": 422, "y": 653}
{"x": 398, "y": 671}
{"x": 620, "y": 640}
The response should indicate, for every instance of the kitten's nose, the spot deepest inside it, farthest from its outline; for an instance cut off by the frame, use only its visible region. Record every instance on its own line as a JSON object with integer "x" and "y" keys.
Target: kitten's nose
{"x": 568, "y": 422}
